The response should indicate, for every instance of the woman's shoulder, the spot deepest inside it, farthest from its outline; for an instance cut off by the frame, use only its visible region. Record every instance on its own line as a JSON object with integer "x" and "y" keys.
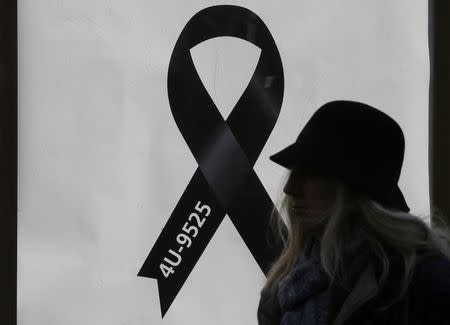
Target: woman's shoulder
{"x": 430, "y": 289}
{"x": 268, "y": 308}
{"x": 432, "y": 276}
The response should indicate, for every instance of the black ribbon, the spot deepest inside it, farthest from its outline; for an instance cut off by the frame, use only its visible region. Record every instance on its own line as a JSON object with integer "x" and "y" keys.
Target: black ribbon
{"x": 225, "y": 182}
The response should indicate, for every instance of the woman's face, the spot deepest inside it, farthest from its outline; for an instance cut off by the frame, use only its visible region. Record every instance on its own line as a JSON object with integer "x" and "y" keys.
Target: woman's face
{"x": 312, "y": 197}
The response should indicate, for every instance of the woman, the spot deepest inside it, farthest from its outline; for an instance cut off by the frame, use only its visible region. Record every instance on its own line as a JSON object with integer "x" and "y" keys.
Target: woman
{"x": 353, "y": 254}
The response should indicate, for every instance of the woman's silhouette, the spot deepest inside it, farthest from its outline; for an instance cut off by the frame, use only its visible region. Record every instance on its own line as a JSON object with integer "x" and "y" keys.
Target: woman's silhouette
{"x": 353, "y": 254}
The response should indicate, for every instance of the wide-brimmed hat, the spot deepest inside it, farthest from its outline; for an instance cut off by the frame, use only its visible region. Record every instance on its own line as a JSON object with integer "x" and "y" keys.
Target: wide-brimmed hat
{"x": 354, "y": 142}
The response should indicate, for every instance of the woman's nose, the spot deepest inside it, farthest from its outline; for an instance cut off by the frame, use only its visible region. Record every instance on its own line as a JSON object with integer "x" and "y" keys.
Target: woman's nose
{"x": 287, "y": 190}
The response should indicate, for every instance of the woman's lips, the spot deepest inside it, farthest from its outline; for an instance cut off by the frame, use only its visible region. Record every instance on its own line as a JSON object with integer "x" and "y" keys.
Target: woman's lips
{"x": 299, "y": 209}
{"x": 303, "y": 210}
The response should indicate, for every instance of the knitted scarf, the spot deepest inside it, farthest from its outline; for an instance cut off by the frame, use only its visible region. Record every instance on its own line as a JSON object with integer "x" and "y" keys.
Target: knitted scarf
{"x": 306, "y": 296}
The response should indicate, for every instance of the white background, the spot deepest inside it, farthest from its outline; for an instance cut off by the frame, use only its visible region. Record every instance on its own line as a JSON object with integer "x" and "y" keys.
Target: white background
{"x": 102, "y": 163}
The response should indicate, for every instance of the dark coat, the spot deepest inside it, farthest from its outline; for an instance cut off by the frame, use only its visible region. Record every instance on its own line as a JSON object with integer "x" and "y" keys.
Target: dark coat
{"x": 427, "y": 300}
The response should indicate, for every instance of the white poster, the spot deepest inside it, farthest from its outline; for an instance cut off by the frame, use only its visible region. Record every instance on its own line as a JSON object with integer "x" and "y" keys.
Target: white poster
{"x": 106, "y": 157}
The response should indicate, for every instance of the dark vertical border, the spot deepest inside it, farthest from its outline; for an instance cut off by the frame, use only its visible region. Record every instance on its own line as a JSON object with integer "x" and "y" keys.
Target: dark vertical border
{"x": 8, "y": 161}
{"x": 439, "y": 110}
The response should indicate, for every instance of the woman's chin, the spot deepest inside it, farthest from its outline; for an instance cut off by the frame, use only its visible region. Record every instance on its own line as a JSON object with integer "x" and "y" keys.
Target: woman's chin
{"x": 312, "y": 222}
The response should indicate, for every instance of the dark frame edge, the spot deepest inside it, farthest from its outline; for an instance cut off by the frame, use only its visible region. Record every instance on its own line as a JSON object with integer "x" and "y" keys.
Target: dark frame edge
{"x": 439, "y": 112}
{"x": 8, "y": 160}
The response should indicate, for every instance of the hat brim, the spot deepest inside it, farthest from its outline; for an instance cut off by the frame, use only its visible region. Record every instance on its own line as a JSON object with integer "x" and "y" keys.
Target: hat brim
{"x": 291, "y": 158}
{"x": 288, "y": 157}
{"x": 389, "y": 195}
{"x": 393, "y": 198}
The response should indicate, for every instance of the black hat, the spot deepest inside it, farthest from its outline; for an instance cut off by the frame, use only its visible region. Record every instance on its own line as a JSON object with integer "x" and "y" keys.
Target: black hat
{"x": 354, "y": 142}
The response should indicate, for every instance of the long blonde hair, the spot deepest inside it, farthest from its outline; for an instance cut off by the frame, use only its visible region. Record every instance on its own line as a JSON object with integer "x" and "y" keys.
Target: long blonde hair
{"x": 404, "y": 232}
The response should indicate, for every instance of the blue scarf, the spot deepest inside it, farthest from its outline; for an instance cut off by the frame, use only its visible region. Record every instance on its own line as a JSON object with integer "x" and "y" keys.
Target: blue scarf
{"x": 306, "y": 296}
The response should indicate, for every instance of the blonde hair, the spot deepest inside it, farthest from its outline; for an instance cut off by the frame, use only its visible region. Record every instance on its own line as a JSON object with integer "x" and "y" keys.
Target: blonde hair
{"x": 407, "y": 234}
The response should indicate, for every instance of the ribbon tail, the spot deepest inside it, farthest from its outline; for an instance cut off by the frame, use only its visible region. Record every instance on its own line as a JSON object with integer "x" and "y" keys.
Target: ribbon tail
{"x": 172, "y": 270}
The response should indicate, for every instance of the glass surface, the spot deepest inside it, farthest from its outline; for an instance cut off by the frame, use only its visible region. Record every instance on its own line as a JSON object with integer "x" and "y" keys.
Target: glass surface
{"x": 103, "y": 164}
